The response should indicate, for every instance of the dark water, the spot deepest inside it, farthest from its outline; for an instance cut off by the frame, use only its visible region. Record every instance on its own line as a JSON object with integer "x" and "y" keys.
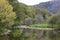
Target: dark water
{"x": 29, "y": 34}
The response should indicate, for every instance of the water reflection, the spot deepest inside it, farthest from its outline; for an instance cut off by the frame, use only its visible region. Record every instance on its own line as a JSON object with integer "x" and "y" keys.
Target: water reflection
{"x": 41, "y": 34}
{"x": 29, "y": 34}
{"x": 54, "y": 35}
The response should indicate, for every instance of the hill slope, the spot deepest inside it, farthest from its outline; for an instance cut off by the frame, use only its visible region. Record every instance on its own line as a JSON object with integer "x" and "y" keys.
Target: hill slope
{"x": 52, "y": 6}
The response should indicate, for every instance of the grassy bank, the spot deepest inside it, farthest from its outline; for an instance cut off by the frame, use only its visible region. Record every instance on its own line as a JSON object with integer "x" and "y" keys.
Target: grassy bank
{"x": 44, "y": 26}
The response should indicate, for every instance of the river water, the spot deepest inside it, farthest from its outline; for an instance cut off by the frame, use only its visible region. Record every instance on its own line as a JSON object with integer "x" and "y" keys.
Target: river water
{"x": 29, "y": 34}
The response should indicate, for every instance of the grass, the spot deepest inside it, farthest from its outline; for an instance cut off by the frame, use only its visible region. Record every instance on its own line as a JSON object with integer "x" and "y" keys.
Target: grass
{"x": 44, "y": 26}
{"x": 40, "y": 25}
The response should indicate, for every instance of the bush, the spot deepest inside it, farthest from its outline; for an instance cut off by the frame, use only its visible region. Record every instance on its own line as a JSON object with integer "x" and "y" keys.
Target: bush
{"x": 2, "y": 29}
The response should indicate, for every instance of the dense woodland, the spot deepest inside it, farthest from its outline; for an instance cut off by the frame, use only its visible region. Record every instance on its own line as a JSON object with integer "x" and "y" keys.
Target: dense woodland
{"x": 14, "y": 13}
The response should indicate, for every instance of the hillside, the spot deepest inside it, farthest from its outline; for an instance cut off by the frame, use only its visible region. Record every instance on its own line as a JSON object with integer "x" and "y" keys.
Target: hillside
{"x": 29, "y": 14}
{"x": 52, "y": 6}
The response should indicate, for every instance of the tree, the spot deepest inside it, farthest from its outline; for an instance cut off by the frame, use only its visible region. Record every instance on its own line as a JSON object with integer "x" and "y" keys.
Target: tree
{"x": 19, "y": 10}
{"x": 55, "y": 20}
{"x": 22, "y": 11}
{"x": 41, "y": 15}
{"x": 7, "y": 16}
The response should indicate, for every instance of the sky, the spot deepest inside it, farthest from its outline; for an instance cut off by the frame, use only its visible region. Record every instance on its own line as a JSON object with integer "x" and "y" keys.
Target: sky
{"x": 32, "y": 2}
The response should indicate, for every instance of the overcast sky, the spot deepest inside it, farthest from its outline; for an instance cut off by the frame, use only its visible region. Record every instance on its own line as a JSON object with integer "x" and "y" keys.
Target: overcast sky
{"x": 32, "y": 2}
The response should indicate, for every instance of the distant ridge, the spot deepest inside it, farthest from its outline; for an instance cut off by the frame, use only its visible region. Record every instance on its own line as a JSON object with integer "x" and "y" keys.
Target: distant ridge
{"x": 52, "y": 6}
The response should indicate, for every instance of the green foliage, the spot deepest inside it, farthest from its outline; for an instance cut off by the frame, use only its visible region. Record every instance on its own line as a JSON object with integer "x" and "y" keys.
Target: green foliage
{"x": 22, "y": 11}
{"x": 30, "y": 11}
{"x": 2, "y": 29}
{"x": 42, "y": 15}
{"x": 40, "y": 25}
{"x": 44, "y": 25}
{"x": 55, "y": 21}
{"x": 16, "y": 33}
{"x": 7, "y": 16}
{"x": 45, "y": 13}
